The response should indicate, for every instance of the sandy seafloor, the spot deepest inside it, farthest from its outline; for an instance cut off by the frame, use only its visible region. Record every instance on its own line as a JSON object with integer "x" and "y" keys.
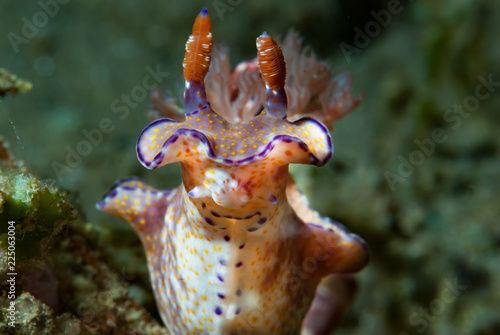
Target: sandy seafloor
{"x": 436, "y": 224}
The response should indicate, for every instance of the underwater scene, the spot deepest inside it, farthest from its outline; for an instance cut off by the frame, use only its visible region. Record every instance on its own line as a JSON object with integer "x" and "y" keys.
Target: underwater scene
{"x": 250, "y": 167}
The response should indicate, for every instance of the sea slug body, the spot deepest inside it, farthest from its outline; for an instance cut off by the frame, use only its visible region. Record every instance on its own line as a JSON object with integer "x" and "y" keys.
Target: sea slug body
{"x": 236, "y": 248}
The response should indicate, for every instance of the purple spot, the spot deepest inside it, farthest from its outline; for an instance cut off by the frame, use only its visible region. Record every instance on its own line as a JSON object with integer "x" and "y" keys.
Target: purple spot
{"x": 273, "y": 199}
{"x": 261, "y": 221}
{"x": 238, "y": 310}
{"x": 226, "y": 238}
{"x": 210, "y": 222}
{"x": 242, "y": 246}
{"x": 112, "y": 194}
{"x": 238, "y": 292}
{"x": 303, "y": 146}
{"x": 222, "y": 262}
{"x": 248, "y": 217}
{"x": 203, "y": 205}
{"x": 220, "y": 278}
{"x": 220, "y": 295}
{"x": 218, "y": 310}
{"x": 215, "y": 214}
{"x": 239, "y": 264}
{"x": 252, "y": 229}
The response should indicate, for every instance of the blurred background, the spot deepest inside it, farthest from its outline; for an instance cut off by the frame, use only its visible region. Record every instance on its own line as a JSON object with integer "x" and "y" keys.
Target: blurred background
{"x": 416, "y": 166}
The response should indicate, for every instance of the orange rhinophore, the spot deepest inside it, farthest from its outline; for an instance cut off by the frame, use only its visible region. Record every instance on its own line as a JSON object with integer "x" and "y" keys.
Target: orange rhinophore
{"x": 198, "y": 48}
{"x": 271, "y": 62}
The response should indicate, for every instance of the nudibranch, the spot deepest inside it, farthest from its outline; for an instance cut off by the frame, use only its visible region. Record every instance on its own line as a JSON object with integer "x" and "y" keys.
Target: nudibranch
{"x": 236, "y": 248}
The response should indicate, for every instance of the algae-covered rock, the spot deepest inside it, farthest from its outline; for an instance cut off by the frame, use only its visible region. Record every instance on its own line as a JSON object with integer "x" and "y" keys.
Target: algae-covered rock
{"x": 57, "y": 280}
{"x": 10, "y": 83}
{"x": 33, "y": 317}
{"x": 38, "y": 210}
{"x": 35, "y": 211}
